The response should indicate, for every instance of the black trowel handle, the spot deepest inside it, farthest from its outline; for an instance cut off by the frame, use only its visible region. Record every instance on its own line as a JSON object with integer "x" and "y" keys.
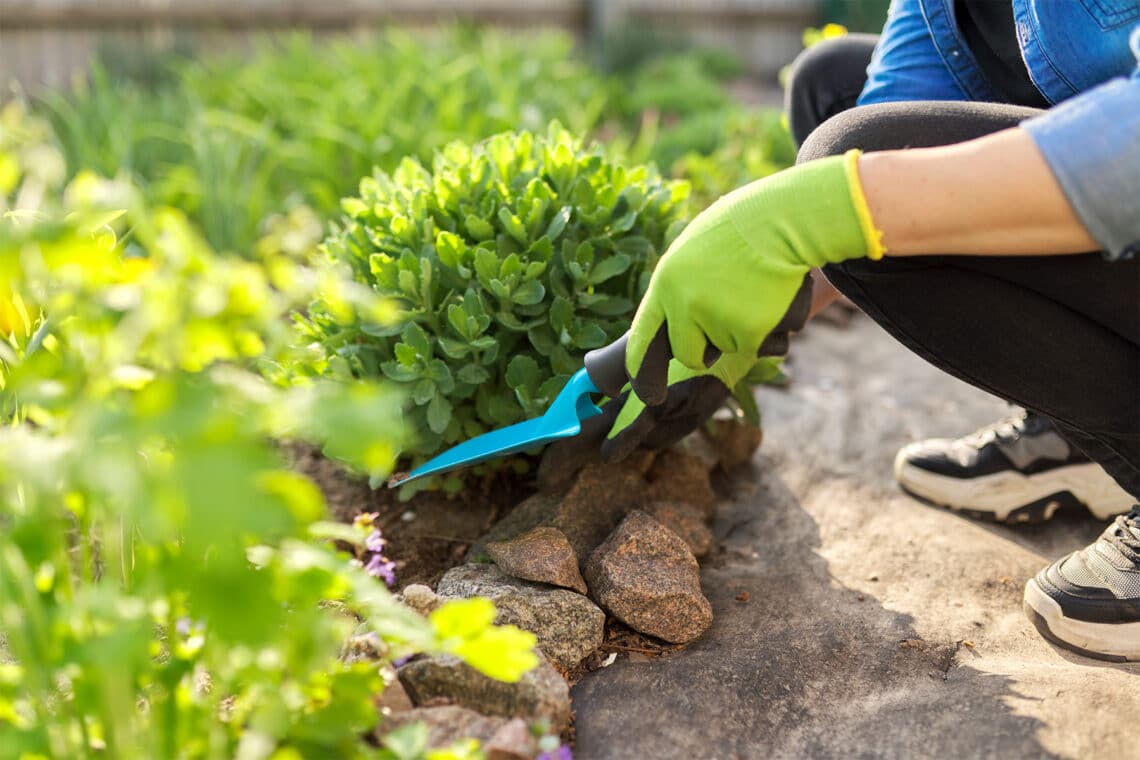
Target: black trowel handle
{"x": 606, "y": 367}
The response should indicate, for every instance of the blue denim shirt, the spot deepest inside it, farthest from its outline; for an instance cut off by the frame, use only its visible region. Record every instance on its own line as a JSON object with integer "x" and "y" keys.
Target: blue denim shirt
{"x": 1077, "y": 54}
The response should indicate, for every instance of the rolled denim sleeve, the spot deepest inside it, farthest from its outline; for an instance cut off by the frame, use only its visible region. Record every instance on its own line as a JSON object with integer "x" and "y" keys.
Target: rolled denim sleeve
{"x": 1092, "y": 144}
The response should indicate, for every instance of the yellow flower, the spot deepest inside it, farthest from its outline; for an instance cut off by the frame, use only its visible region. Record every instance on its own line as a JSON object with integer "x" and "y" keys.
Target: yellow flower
{"x": 16, "y": 316}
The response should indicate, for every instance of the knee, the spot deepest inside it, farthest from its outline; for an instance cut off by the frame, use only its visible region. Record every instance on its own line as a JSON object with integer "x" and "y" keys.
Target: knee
{"x": 909, "y": 124}
{"x": 839, "y": 134}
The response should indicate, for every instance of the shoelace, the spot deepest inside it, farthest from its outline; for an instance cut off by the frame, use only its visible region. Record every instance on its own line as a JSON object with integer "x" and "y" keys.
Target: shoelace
{"x": 1003, "y": 430}
{"x": 1124, "y": 532}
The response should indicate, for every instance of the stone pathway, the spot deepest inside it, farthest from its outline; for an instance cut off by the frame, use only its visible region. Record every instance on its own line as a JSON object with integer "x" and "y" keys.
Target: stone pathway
{"x": 874, "y": 626}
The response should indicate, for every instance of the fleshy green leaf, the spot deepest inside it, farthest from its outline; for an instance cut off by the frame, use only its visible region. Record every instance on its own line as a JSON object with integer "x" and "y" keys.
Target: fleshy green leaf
{"x": 452, "y": 348}
{"x": 558, "y": 223}
{"x": 522, "y": 372}
{"x": 414, "y": 336}
{"x": 457, "y": 316}
{"x": 479, "y": 229}
{"x": 423, "y": 392}
{"x": 530, "y": 292}
{"x": 439, "y": 413}
{"x": 473, "y": 374}
{"x": 589, "y": 335}
{"x": 608, "y": 268}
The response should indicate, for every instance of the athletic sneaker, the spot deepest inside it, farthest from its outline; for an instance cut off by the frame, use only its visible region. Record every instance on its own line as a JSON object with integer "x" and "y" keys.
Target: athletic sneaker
{"x": 1017, "y": 470}
{"x": 1089, "y": 601}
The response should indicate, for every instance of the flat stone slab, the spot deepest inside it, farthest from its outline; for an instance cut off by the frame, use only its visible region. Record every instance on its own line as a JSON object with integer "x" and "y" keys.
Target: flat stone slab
{"x": 851, "y": 620}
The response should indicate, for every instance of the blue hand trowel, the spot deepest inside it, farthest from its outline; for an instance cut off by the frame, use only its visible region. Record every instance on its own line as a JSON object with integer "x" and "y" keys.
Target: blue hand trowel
{"x": 604, "y": 374}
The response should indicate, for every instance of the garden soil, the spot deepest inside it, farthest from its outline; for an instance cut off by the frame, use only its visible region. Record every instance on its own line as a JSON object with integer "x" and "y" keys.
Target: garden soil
{"x": 427, "y": 535}
{"x": 852, "y": 620}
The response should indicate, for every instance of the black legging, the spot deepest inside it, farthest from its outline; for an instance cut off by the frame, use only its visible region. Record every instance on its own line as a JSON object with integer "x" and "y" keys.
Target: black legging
{"x": 1059, "y": 335}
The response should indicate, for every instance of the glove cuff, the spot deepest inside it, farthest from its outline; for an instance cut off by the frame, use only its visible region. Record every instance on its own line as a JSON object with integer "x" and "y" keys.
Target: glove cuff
{"x": 872, "y": 235}
{"x": 817, "y": 210}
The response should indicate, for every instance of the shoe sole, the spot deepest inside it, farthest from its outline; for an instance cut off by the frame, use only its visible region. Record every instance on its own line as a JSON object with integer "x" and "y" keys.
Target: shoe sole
{"x": 1114, "y": 642}
{"x": 1035, "y": 498}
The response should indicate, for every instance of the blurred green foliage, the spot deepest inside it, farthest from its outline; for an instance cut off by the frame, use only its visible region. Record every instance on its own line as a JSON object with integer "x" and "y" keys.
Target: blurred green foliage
{"x": 300, "y": 121}
{"x": 162, "y": 592}
{"x": 742, "y": 146}
{"x": 509, "y": 259}
{"x": 242, "y": 142}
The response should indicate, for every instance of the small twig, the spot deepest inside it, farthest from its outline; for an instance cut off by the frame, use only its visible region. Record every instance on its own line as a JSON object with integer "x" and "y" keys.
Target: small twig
{"x": 439, "y": 537}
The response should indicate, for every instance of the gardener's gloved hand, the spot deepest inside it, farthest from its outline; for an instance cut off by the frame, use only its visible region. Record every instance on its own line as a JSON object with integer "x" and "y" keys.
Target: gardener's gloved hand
{"x": 729, "y": 279}
{"x": 626, "y": 423}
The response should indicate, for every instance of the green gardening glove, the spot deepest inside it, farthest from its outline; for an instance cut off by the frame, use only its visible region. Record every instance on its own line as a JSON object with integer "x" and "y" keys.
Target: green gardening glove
{"x": 728, "y": 280}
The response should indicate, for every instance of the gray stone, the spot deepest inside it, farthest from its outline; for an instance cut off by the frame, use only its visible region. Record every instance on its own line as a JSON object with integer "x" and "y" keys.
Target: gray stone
{"x": 586, "y": 513}
{"x": 542, "y": 555}
{"x": 735, "y": 441}
{"x": 698, "y": 444}
{"x": 364, "y": 645}
{"x": 686, "y": 521}
{"x": 513, "y": 741}
{"x": 447, "y": 724}
{"x": 569, "y": 626}
{"x": 421, "y": 599}
{"x": 645, "y": 576}
{"x": 680, "y": 476}
{"x": 541, "y": 694}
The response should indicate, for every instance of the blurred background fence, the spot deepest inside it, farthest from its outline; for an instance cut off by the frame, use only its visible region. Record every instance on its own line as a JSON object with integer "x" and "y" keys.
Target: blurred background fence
{"x": 45, "y": 42}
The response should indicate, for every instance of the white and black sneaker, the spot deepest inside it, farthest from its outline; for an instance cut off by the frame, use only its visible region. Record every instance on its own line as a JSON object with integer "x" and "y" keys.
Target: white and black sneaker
{"x": 1017, "y": 470}
{"x": 1089, "y": 601}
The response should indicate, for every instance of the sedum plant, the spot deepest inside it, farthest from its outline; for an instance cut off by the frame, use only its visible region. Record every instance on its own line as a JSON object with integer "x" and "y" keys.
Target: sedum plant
{"x": 510, "y": 259}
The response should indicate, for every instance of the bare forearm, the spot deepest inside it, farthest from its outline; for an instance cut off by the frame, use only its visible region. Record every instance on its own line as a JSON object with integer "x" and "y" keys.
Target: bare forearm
{"x": 992, "y": 196}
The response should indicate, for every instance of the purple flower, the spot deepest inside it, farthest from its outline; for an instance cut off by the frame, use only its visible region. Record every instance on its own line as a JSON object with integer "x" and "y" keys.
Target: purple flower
{"x": 382, "y": 567}
{"x": 562, "y": 753}
{"x": 375, "y": 541}
{"x": 182, "y": 625}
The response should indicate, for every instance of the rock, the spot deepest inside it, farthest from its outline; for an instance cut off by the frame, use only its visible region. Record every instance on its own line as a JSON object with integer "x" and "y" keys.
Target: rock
{"x": 421, "y": 599}
{"x": 394, "y": 699}
{"x": 686, "y": 521}
{"x": 640, "y": 460}
{"x": 735, "y": 441}
{"x": 699, "y": 445}
{"x": 364, "y": 645}
{"x": 645, "y": 576}
{"x": 446, "y": 724}
{"x": 569, "y": 626}
{"x": 586, "y": 513}
{"x": 540, "y": 694}
{"x": 563, "y": 460}
{"x": 513, "y": 741}
{"x": 679, "y": 476}
{"x": 542, "y": 554}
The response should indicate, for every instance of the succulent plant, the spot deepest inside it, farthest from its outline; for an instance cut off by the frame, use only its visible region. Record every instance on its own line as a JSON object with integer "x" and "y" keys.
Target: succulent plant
{"x": 510, "y": 259}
